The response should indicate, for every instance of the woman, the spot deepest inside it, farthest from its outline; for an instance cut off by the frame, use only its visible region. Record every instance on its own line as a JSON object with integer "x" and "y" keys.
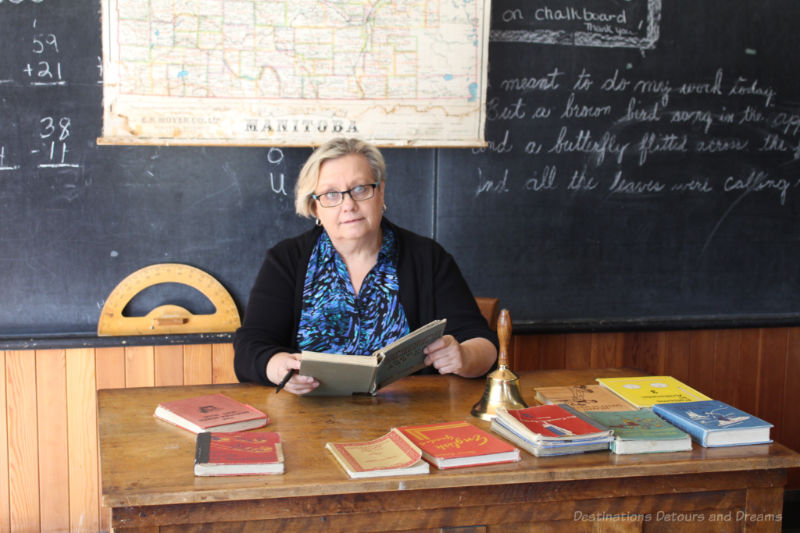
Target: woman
{"x": 356, "y": 282}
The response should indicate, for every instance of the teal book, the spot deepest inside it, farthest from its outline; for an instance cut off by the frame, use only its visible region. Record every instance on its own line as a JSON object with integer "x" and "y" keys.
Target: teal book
{"x": 714, "y": 423}
{"x": 642, "y": 431}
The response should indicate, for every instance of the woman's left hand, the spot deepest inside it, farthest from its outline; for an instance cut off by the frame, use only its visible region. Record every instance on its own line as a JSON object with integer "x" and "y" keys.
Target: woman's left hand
{"x": 469, "y": 359}
{"x": 445, "y": 355}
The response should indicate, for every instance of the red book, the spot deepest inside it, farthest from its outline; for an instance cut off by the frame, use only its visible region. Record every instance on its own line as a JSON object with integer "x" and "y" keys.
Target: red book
{"x": 213, "y": 412}
{"x": 238, "y": 453}
{"x": 456, "y": 444}
{"x": 555, "y": 422}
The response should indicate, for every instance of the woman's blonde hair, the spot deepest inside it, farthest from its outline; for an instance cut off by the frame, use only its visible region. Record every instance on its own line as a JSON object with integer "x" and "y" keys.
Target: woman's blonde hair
{"x": 333, "y": 149}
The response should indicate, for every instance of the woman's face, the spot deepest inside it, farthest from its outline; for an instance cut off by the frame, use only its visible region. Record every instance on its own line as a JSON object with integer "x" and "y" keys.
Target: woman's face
{"x": 351, "y": 220}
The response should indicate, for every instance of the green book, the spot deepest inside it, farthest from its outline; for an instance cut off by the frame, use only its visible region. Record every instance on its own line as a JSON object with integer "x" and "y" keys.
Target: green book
{"x": 642, "y": 431}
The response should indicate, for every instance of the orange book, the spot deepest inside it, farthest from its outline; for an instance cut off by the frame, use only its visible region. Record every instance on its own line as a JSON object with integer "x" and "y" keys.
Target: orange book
{"x": 392, "y": 454}
{"x": 212, "y": 412}
{"x": 238, "y": 453}
{"x": 458, "y": 444}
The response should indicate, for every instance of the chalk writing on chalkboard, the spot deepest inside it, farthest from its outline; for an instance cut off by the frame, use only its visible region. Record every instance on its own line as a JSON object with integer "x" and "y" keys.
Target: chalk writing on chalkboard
{"x": 651, "y": 118}
{"x": 54, "y": 133}
{"x": 45, "y": 68}
{"x": 632, "y": 24}
{"x": 633, "y": 184}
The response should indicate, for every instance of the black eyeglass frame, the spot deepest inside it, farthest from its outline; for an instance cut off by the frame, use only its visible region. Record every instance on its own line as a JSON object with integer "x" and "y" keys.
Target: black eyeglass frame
{"x": 349, "y": 192}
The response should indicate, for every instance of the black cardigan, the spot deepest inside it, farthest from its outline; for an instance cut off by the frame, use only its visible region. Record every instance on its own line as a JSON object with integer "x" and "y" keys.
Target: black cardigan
{"x": 431, "y": 287}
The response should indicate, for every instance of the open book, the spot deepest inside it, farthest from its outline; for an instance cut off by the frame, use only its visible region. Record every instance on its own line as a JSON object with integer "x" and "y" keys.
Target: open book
{"x": 342, "y": 375}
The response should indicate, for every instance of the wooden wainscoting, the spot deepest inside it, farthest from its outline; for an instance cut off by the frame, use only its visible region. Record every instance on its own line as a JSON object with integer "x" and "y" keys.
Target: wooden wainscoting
{"x": 49, "y": 471}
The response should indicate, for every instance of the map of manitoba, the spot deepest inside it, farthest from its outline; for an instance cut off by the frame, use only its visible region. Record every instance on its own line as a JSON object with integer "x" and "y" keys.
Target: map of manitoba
{"x": 294, "y": 72}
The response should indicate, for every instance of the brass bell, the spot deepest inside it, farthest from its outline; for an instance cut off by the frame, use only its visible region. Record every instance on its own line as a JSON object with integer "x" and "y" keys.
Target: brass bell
{"x": 502, "y": 385}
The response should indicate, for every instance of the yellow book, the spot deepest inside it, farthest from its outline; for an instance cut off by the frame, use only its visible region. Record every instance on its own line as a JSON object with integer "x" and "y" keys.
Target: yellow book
{"x": 646, "y": 391}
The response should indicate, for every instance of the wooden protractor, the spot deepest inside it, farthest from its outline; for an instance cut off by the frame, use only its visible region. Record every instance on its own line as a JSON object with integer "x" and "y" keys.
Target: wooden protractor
{"x": 168, "y": 319}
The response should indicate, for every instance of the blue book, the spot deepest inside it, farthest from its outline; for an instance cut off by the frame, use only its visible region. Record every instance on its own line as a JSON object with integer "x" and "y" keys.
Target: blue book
{"x": 713, "y": 423}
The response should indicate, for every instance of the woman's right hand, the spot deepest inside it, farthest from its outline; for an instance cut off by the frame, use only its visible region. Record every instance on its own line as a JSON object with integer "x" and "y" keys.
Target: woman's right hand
{"x": 281, "y": 364}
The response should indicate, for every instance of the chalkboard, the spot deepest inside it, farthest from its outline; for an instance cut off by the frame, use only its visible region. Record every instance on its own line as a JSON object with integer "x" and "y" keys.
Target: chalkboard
{"x": 650, "y": 177}
{"x": 641, "y": 169}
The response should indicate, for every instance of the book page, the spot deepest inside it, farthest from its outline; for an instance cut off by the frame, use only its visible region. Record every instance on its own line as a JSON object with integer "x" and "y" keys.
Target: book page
{"x": 405, "y": 356}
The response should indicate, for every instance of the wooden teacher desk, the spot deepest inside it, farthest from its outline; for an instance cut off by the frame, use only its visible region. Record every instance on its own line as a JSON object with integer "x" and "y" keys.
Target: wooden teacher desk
{"x": 148, "y": 482}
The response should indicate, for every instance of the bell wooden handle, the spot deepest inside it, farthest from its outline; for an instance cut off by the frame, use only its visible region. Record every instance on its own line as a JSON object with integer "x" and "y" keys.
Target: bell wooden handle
{"x": 504, "y": 336}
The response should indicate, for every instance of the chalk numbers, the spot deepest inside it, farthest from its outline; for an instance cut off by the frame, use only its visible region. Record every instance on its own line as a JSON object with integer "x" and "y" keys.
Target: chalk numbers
{"x": 54, "y": 131}
{"x": 45, "y": 65}
{"x": 43, "y": 41}
{"x": 50, "y": 127}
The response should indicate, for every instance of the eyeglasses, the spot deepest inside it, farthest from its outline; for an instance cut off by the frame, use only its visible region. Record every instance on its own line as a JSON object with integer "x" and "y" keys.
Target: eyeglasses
{"x": 358, "y": 193}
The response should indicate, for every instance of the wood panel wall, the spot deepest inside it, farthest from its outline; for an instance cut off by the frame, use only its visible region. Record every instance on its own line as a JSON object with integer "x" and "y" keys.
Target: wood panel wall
{"x": 49, "y": 463}
{"x": 49, "y": 471}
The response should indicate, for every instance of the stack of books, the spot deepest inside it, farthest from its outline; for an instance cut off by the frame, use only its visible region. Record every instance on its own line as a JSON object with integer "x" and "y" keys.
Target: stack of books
{"x": 546, "y": 430}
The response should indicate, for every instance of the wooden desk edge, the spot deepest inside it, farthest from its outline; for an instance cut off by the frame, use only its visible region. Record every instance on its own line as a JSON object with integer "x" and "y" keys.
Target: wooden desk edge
{"x": 386, "y": 484}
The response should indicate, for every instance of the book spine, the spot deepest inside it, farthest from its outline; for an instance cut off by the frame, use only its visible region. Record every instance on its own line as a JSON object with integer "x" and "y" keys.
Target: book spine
{"x": 514, "y": 438}
{"x": 202, "y": 448}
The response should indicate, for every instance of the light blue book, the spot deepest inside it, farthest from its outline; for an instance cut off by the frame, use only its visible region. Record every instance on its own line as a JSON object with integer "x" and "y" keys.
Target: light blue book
{"x": 713, "y": 423}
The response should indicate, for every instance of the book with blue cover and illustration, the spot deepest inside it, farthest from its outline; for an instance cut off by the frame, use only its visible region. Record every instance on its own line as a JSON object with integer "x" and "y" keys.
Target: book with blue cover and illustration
{"x": 714, "y": 423}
